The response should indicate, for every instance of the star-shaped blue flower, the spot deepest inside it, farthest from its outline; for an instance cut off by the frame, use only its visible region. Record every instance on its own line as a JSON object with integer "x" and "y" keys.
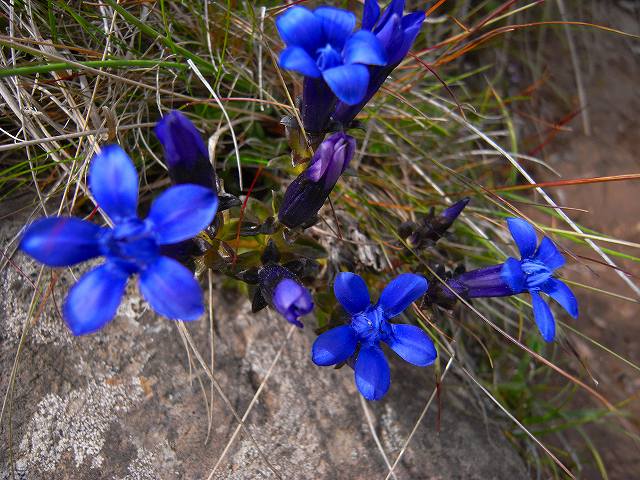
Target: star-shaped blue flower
{"x": 131, "y": 247}
{"x": 534, "y": 273}
{"x": 369, "y": 326}
{"x": 320, "y": 44}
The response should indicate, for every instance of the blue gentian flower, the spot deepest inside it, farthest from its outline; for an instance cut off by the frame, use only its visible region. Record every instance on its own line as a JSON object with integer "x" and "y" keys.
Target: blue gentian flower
{"x": 533, "y": 273}
{"x": 396, "y": 33}
{"x": 280, "y": 288}
{"x": 321, "y": 46}
{"x": 369, "y": 326}
{"x": 132, "y": 246}
{"x": 307, "y": 193}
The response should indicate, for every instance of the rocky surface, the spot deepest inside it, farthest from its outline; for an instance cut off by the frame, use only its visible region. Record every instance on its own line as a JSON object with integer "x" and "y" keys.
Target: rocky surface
{"x": 126, "y": 404}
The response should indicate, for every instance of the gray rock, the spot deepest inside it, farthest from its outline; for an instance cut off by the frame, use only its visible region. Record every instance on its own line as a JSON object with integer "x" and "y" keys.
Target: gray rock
{"x": 125, "y": 403}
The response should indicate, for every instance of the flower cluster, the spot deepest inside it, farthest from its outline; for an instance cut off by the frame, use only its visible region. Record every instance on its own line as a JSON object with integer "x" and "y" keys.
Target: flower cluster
{"x": 185, "y": 232}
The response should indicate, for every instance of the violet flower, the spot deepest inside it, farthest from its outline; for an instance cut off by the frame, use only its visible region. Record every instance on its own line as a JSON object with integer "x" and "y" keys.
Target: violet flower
{"x": 308, "y": 192}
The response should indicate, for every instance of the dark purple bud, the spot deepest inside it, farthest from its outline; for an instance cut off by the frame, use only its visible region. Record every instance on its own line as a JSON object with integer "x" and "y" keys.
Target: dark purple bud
{"x": 307, "y": 193}
{"x": 280, "y": 288}
{"x": 185, "y": 151}
{"x": 396, "y": 34}
{"x": 431, "y": 228}
{"x": 448, "y": 216}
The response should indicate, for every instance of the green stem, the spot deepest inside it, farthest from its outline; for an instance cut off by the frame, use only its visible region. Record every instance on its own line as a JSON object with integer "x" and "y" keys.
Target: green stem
{"x": 54, "y": 67}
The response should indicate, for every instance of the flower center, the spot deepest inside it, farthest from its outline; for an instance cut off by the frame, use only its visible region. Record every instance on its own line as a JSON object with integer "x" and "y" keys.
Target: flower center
{"x": 536, "y": 273}
{"x": 327, "y": 57}
{"x": 371, "y": 326}
{"x": 131, "y": 244}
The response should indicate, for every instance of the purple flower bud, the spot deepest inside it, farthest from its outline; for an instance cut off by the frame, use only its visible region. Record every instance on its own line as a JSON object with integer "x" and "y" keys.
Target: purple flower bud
{"x": 280, "y": 288}
{"x": 292, "y": 300}
{"x": 307, "y": 193}
{"x": 431, "y": 228}
{"x": 396, "y": 34}
{"x": 185, "y": 151}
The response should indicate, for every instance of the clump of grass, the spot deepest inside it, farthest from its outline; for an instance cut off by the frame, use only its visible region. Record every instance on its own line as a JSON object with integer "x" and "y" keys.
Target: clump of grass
{"x": 76, "y": 75}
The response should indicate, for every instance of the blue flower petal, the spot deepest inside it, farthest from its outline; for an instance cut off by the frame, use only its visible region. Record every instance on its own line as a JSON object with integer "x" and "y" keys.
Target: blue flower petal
{"x": 544, "y": 317}
{"x": 181, "y": 212}
{"x": 113, "y": 181}
{"x": 396, "y": 7}
{"x": 348, "y": 82}
{"x": 411, "y": 25}
{"x": 524, "y": 235}
{"x": 292, "y": 301}
{"x": 391, "y": 37}
{"x": 549, "y": 254}
{"x": 61, "y": 241}
{"x": 337, "y": 24}
{"x": 562, "y": 294}
{"x": 513, "y": 275}
{"x": 299, "y": 27}
{"x": 370, "y": 15}
{"x": 401, "y": 292}
{"x": 298, "y": 60}
{"x": 334, "y": 346}
{"x": 364, "y": 47}
{"x": 171, "y": 290}
{"x": 412, "y": 344}
{"x": 372, "y": 373}
{"x": 351, "y": 292}
{"x": 94, "y": 300}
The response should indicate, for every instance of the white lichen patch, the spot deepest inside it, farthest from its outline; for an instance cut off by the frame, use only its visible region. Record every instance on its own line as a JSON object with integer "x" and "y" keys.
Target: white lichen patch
{"x": 16, "y": 293}
{"x": 142, "y": 467}
{"x": 74, "y": 425}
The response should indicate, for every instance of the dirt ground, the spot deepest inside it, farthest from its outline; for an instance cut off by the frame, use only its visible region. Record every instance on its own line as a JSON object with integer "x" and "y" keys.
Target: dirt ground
{"x": 609, "y": 69}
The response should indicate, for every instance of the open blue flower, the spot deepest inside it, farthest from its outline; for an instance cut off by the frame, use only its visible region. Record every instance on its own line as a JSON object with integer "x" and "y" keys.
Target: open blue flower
{"x": 369, "y": 326}
{"x": 132, "y": 246}
{"x": 321, "y": 46}
{"x": 396, "y": 33}
{"x": 534, "y": 273}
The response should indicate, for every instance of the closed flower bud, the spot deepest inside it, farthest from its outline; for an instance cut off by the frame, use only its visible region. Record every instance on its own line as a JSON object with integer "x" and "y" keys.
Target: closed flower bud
{"x": 279, "y": 288}
{"x": 184, "y": 151}
{"x": 307, "y": 193}
{"x": 431, "y": 228}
